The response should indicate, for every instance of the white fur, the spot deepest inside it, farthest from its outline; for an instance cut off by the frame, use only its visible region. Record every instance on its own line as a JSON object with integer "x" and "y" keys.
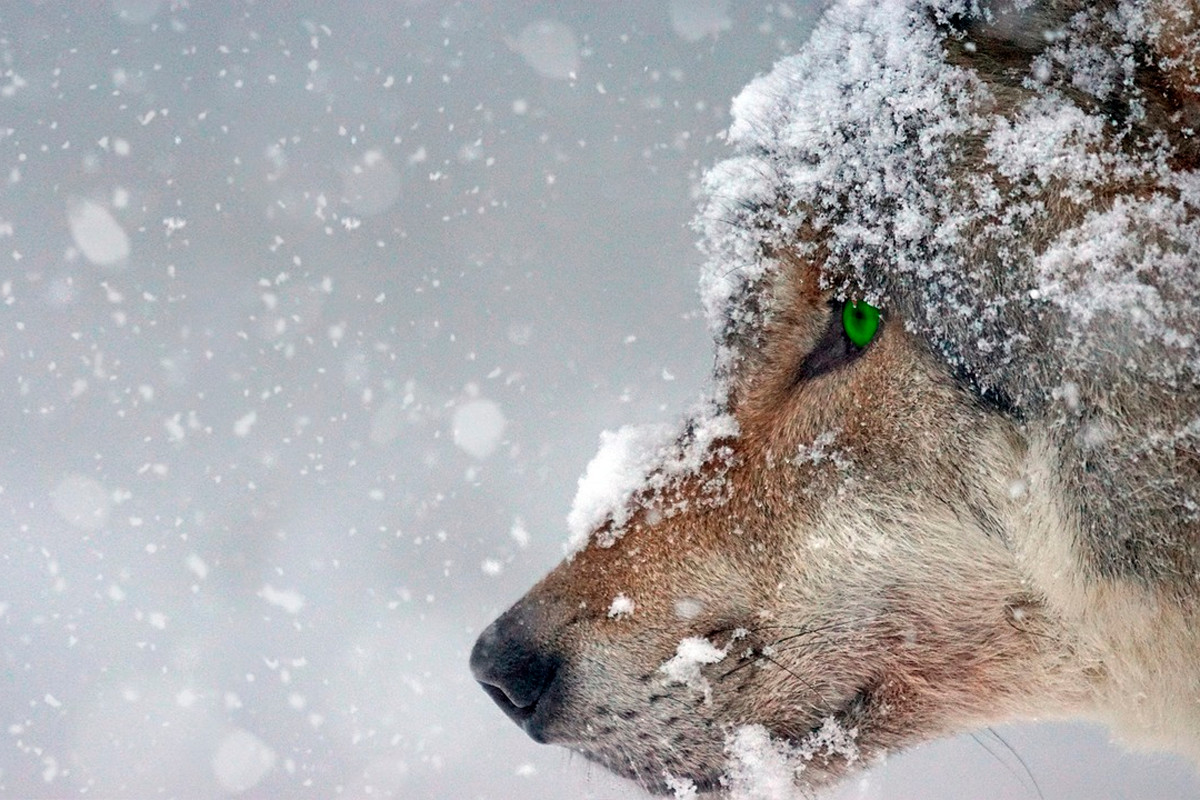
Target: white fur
{"x": 1140, "y": 648}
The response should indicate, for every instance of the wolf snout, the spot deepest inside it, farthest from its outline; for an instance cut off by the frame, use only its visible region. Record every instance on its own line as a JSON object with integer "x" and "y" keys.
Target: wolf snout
{"x": 517, "y": 672}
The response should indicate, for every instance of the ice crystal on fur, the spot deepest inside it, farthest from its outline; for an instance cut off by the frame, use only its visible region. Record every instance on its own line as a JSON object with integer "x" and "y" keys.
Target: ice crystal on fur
{"x": 822, "y": 451}
{"x": 691, "y": 655}
{"x": 681, "y": 788}
{"x": 621, "y": 606}
{"x": 1127, "y": 289}
{"x": 859, "y": 142}
{"x": 763, "y": 767}
{"x": 760, "y": 767}
{"x": 642, "y": 461}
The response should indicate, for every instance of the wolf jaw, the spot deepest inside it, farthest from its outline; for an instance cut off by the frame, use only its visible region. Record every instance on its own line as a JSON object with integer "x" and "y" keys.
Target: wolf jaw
{"x": 989, "y": 512}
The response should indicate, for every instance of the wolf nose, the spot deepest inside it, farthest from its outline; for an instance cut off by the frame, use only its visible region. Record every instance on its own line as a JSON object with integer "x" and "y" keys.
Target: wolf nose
{"x": 515, "y": 672}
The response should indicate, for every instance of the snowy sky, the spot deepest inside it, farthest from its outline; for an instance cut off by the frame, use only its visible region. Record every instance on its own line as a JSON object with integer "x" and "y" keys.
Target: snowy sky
{"x": 310, "y": 319}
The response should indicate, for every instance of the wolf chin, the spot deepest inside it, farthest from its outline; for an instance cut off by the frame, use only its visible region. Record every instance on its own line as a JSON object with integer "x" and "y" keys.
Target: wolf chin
{"x": 988, "y": 511}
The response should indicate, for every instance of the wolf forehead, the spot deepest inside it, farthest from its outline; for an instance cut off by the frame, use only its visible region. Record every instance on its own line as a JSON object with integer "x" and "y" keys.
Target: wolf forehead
{"x": 1018, "y": 186}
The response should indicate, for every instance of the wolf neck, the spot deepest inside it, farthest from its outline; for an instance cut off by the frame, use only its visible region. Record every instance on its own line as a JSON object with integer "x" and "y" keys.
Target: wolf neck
{"x": 1136, "y": 647}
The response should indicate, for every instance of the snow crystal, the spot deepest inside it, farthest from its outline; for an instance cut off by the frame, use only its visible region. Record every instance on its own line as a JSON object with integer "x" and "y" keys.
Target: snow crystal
{"x": 478, "y": 427}
{"x": 859, "y": 140}
{"x": 684, "y": 667}
{"x": 289, "y": 601}
{"x": 175, "y": 430}
{"x": 82, "y": 502}
{"x": 97, "y": 233}
{"x": 245, "y": 423}
{"x": 197, "y": 566}
{"x": 681, "y": 788}
{"x": 831, "y": 740}
{"x": 821, "y": 451}
{"x": 549, "y": 47}
{"x": 137, "y": 12}
{"x": 762, "y": 767}
{"x": 641, "y": 458}
{"x": 372, "y": 185}
{"x": 519, "y": 534}
{"x": 621, "y": 606}
{"x": 50, "y": 771}
{"x": 693, "y": 20}
{"x": 688, "y": 608}
{"x": 241, "y": 761}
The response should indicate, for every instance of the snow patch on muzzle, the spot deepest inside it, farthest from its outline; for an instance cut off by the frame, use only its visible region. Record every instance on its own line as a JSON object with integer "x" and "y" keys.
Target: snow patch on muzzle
{"x": 635, "y": 464}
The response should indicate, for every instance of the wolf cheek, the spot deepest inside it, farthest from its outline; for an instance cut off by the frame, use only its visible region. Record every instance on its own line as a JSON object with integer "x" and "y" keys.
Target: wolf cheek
{"x": 843, "y": 590}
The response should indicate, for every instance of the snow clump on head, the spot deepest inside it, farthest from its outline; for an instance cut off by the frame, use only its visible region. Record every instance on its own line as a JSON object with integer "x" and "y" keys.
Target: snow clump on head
{"x": 843, "y": 138}
{"x": 1028, "y": 228}
{"x": 1107, "y": 274}
{"x": 636, "y": 464}
{"x": 880, "y": 155}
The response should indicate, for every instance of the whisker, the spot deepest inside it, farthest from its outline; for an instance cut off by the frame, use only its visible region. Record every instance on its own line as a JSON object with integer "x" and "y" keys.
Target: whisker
{"x": 758, "y": 654}
{"x": 1024, "y": 766}
{"x": 820, "y": 695}
{"x": 824, "y": 629}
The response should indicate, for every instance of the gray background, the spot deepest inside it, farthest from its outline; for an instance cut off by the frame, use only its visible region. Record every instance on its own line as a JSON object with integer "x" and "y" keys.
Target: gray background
{"x": 310, "y": 316}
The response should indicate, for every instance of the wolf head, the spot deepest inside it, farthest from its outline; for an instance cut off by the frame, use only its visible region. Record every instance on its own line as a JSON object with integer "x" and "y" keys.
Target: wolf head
{"x": 863, "y": 542}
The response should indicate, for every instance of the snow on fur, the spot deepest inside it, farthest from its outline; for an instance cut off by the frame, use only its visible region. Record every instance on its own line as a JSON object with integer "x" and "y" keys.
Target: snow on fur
{"x": 642, "y": 460}
{"x": 691, "y": 655}
{"x": 839, "y": 119}
{"x": 621, "y": 465}
{"x": 858, "y": 141}
{"x": 622, "y": 606}
{"x": 763, "y": 767}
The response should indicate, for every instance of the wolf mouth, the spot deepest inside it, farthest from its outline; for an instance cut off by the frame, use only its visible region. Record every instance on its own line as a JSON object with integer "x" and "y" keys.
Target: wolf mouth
{"x": 829, "y": 745}
{"x": 844, "y": 721}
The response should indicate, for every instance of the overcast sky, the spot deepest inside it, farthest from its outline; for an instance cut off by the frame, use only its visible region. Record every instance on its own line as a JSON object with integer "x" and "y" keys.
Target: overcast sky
{"x": 311, "y": 314}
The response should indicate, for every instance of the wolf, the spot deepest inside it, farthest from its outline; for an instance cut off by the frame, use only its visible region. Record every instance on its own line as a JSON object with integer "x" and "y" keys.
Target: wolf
{"x": 948, "y": 472}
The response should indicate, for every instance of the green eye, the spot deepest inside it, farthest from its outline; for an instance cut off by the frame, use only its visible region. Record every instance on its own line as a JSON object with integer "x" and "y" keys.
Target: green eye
{"x": 861, "y": 320}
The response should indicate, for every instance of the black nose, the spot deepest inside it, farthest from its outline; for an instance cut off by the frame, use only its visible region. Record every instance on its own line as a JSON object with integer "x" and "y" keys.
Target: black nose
{"x": 517, "y": 672}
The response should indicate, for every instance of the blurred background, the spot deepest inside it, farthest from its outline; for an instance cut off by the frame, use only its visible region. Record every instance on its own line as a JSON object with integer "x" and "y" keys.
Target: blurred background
{"x": 310, "y": 316}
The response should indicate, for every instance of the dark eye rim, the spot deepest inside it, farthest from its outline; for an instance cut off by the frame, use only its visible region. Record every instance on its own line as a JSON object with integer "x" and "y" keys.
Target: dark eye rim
{"x": 833, "y": 350}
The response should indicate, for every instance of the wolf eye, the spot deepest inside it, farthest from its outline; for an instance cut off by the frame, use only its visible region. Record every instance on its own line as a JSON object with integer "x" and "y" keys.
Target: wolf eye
{"x": 842, "y": 341}
{"x": 861, "y": 321}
